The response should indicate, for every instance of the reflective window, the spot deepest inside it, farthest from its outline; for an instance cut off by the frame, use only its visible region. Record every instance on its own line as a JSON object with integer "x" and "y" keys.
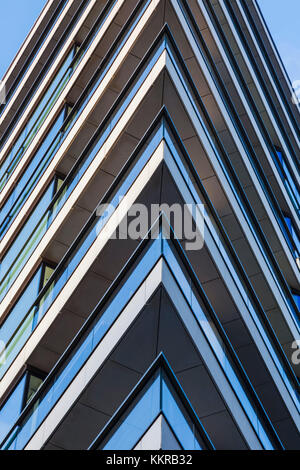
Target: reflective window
{"x": 157, "y": 397}
{"x": 17, "y": 400}
{"x": 296, "y": 296}
{"x": 37, "y": 119}
{"x": 28, "y": 63}
{"x": 137, "y": 420}
{"x": 295, "y": 238}
{"x": 31, "y": 176}
{"x": 288, "y": 180}
{"x": 101, "y": 324}
{"x": 24, "y": 245}
{"x": 16, "y": 318}
{"x": 49, "y": 99}
{"x": 90, "y": 339}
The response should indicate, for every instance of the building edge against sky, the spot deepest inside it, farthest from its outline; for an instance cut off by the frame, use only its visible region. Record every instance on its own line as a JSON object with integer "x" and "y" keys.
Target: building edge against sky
{"x": 113, "y": 339}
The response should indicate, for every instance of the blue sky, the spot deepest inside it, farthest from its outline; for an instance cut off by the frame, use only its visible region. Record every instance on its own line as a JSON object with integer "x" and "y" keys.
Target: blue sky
{"x": 17, "y": 17}
{"x": 283, "y": 20}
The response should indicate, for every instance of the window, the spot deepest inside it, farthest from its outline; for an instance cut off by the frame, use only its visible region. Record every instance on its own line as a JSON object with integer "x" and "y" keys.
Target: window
{"x": 17, "y": 327}
{"x": 18, "y": 399}
{"x": 27, "y": 241}
{"x": 38, "y": 117}
{"x": 296, "y": 296}
{"x": 31, "y": 176}
{"x": 288, "y": 179}
{"x": 294, "y": 237}
{"x": 157, "y": 397}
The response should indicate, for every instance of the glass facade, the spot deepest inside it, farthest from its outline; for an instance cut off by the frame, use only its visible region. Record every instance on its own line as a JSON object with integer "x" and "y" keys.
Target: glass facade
{"x": 294, "y": 237}
{"x": 289, "y": 181}
{"x": 25, "y": 243}
{"x": 30, "y": 178}
{"x": 157, "y": 398}
{"x": 297, "y": 300}
{"x": 18, "y": 326}
{"x": 255, "y": 104}
{"x": 160, "y": 135}
{"x": 58, "y": 383}
{"x": 18, "y": 399}
{"x": 33, "y": 55}
{"x": 60, "y": 278}
{"x": 36, "y": 121}
{"x": 69, "y": 184}
{"x": 51, "y": 96}
{"x": 53, "y": 142}
{"x": 267, "y": 91}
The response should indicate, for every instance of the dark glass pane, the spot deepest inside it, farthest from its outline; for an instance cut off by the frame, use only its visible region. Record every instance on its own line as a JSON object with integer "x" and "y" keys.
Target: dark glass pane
{"x": 12, "y": 408}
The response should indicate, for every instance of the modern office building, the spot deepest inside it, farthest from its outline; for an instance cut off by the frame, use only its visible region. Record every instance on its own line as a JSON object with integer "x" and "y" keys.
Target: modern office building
{"x": 111, "y": 340}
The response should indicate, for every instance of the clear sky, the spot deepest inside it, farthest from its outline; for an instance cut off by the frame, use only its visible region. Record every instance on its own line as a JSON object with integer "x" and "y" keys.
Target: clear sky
{"x": 16, "y": 19}
{"x": 283, "y": 19}
{"x": 282, "y": 16}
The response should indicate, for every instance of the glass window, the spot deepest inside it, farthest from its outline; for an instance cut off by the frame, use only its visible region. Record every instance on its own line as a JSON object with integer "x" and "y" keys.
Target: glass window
{"x": 294, "y": 237}
{"x": 17, "y": 400}
{"x": 25, "y": 243}
{"x": 288, "y": 180}
{"x": 296, "y": 296}
{"x": 34, "y": 382}
{"x": 11, "y": 408}
{"x": 138, "y": 420}
{"x": 36, "y": 49}
{"x": 157, "y": 397}
{"x": 31, "y": 176}
{"x": 15, "y": 318}
{"x": 37, "y": 119}
{"x": 26, "y": 230}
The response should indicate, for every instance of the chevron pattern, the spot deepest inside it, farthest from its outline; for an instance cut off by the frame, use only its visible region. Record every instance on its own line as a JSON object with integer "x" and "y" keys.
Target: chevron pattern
{"x": 110, "y": 341}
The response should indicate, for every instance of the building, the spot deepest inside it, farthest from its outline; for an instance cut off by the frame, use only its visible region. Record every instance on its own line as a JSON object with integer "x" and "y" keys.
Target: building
{"x": 114, "y": 341}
